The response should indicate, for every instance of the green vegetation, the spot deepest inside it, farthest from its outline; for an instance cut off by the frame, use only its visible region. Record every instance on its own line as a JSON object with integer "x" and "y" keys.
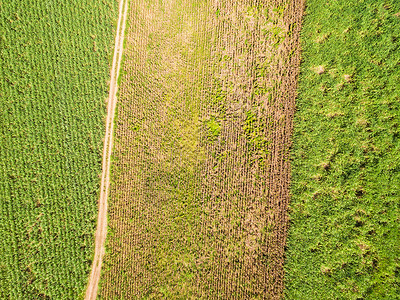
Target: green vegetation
{"x": 345, "y": 231}
{"x": 55, "y": 59}
{"x": 213, "y": 127}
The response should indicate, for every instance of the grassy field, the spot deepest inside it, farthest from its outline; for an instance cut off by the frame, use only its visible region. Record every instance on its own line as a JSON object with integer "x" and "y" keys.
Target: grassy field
{"x": 199, "y": 192}
{"x": 345, "y": 231}
{"x": 54, "y": 64}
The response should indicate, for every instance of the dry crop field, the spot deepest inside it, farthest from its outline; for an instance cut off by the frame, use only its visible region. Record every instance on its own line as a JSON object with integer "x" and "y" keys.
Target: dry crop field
{"x": 199, "y": 191}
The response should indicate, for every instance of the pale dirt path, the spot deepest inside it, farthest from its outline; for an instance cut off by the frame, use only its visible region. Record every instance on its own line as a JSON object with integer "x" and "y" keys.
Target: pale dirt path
{"x": 101, "y": 231}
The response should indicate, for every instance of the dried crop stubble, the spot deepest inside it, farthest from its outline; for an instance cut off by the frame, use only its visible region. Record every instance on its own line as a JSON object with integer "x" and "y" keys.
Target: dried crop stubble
{"x": 246, "y": 177}
{"x": 200, "y": 179}
{"x": 155, "y": 154}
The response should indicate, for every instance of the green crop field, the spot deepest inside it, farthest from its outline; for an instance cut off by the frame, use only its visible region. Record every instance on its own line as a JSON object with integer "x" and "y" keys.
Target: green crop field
{"x": 54, "y": 66}
{"x": 345, "y": 231}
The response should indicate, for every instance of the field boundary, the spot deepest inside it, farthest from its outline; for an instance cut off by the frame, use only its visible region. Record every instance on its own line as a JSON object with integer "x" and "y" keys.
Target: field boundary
{"x": 101, "y": 231}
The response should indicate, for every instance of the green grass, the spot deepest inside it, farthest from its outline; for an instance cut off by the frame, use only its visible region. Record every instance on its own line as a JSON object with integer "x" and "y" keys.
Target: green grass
{"x": 345, "y": 231}
{"x": 55, "y": 59}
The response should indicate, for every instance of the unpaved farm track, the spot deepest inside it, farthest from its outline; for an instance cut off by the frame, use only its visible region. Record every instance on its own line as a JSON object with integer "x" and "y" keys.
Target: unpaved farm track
{"x": 101, "y": 231}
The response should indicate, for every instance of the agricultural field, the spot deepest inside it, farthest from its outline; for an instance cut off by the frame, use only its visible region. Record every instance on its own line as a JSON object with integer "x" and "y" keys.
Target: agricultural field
{"x": 227, "y": 149}
{"x": 200, "y": 174}
{"x": 55, "y": 64}
{"x": 345, "y": 211}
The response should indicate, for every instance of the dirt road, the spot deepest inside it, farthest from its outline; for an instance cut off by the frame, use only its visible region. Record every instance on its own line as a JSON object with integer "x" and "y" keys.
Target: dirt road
{"x": 101, "y": 231}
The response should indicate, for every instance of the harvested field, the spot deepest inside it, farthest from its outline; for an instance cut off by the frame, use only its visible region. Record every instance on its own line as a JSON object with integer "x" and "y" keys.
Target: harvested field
{"x": 199, "y": 192}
